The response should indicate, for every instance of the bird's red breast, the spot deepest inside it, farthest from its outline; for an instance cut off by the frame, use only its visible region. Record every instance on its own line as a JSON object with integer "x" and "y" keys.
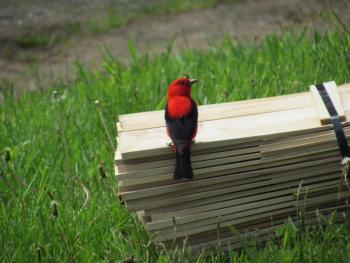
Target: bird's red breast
{"x": 179, "y": 106}
{"x": 179, "y": 98}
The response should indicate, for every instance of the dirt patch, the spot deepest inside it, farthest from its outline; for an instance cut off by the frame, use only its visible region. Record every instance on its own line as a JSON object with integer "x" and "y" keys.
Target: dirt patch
{"x": 247, "y": 20}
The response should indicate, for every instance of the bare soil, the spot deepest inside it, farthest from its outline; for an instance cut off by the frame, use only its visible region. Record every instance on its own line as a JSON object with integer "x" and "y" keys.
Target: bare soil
{"x": 247, "y": 20}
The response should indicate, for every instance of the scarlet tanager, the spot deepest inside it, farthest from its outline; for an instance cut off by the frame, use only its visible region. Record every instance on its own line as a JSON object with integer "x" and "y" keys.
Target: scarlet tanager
{"x": 181, "y": 117}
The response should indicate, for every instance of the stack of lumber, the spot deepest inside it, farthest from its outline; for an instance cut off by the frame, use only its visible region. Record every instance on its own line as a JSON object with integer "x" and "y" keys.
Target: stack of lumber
{"x": 255, "y": 162}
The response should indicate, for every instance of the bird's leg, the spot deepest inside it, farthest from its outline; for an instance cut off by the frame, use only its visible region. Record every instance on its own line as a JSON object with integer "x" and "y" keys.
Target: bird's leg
{"x": 193, "y": 141}
{"x": 171, "y": 144}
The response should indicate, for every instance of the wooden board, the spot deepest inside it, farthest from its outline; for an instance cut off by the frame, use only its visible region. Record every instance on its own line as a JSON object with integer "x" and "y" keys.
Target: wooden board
{"x": 300, "y": 142}
{"x": 322, "y": 111}
{"x": 149, "y": 192}
{"x": 216, "y": 196}
{"x": 158, "y": 173}
{"x": 142, "y": 143}
{"x": 195, "y": 165}
{"x": 235, "y": 191}
{"x": 229, "y": 219}
{"x": 259, "y": 195}
{"x": 281, "y": 197}
{"x": 154, "y": 119}
{"x": 152, "y": 142}
{"x": 288, "y": 148}
{"x": 267, "y": 148}
{"x": 216, "y": 171}
{"x": 263, "y": 222}
{"x": 165, "y": 173}
{"x": 154, "y": 164}
{"x": 259, "y": 232}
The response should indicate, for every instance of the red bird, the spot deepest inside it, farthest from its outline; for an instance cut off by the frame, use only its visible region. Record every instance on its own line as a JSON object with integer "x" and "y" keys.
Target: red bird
{"x": 181, "y": 117}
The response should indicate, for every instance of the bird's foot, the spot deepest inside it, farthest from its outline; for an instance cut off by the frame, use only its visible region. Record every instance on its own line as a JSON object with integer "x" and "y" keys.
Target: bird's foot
{"x": 170, "y": 144}
{"x": 193, "y": 141}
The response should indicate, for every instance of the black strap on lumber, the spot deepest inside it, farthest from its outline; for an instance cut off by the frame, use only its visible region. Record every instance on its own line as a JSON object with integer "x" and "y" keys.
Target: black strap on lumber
{"x": 335, "y": 119}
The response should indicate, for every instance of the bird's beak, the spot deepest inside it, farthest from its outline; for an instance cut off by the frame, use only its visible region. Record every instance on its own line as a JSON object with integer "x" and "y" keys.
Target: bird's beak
{"x": 192, "y": 81}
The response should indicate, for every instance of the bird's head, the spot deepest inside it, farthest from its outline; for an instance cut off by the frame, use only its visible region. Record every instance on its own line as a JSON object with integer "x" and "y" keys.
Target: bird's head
{"x": 181, "y": 87}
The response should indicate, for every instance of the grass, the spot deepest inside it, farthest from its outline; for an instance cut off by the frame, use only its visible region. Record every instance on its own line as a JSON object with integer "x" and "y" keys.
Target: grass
{"x": 58, "y": 195}
{"x": 31, "y": 41}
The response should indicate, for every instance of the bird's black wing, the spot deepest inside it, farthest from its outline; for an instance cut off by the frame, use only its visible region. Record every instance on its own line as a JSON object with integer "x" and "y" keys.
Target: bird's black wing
{"x": 182, "y": 129}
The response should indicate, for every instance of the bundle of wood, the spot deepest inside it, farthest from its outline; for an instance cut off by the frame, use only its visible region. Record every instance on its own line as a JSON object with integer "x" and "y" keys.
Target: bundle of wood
{"x": 255, "y": 163}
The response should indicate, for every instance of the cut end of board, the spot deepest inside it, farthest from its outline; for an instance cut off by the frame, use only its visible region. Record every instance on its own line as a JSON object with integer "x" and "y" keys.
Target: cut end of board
{"x": 331, "y": 88}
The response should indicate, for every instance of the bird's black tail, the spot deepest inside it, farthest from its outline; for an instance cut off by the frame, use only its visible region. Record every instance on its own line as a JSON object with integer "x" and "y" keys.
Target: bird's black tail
{"x": 183, "y": 166}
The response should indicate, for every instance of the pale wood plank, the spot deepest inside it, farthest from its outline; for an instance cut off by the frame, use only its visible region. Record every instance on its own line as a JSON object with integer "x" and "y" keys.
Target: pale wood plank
{"x": 273, "y": 148}
{"x": 283, "y": 153}
{"x": 137, "y": 144}
{"x": 227, "y": 182}
{"x": 136, "y": 121}
{"x": 153, "y": 119}
{"x": 310, "y": 151}
{"x": 215, "y": 171}
{"x": 234, "y": 191}
{"x": 191, "y": 229}
{"x": 195, "y": 165}
{"x": 119, "y": 127}
{"x": 236, "y": 173}
{"x": 331, "y": 88}
{"x": 263, "y": 222}
{"x": 258, "y": 195}
{"x": 209, "y": 224}
{"x": 226, "y": 233}
{"x": 267, "y": 148}
{"x": 240, "y": 208}
{"x": 259, "y": 232}
{"x": 142, "y": 193}
{"x": 289, "y": 154}
{"x": 195, "y": 157}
